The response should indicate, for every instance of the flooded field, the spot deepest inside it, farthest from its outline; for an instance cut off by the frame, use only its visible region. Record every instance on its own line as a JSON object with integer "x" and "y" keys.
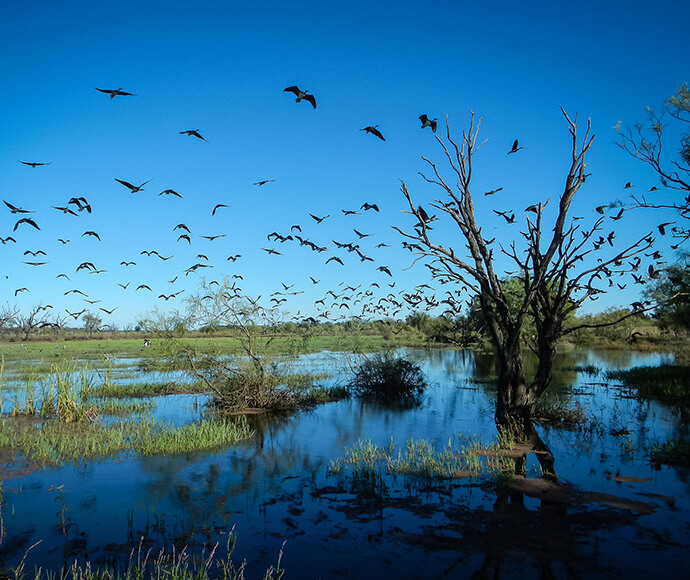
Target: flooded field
{"x": 613, "y": 514}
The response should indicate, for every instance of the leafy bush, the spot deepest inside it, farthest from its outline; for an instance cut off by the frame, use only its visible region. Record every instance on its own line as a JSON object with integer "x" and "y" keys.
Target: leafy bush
{"x": 390, "y": 378}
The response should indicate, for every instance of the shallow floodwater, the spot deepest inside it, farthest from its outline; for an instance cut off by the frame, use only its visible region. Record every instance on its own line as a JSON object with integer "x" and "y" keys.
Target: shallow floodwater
{"x": 276, "y": 490}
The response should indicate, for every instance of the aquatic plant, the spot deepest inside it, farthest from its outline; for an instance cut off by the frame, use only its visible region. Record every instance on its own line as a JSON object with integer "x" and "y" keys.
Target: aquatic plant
{"x": 668, "y": 382}
{"x": 387, "y": 377}
{"x": 675, "y": 452}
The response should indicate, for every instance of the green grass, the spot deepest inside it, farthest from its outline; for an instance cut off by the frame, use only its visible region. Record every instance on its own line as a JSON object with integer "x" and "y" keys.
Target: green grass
{"x": 144, "y": 565}
{"x": 666, "y": 382}
{"x": 148, "y": 389}
{"x": 206, "y": 435}
{"x": 53, "y": 442}
{"x": 459, "y": 457}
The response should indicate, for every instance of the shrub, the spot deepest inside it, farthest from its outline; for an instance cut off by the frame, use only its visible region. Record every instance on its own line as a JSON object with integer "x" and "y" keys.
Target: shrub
{"x": 390, "y": 378}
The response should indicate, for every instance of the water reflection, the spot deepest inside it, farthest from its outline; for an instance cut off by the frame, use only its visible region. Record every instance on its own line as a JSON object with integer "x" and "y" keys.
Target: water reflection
{"x": 278, "y": 486}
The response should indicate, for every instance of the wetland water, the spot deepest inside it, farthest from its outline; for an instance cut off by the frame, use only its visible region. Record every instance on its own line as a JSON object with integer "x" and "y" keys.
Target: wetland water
{"x": 624, "y": 517}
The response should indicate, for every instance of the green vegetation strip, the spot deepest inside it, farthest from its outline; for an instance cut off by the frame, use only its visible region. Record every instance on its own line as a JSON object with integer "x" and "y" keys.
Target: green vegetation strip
{"x": 667, "y": 382}
{"x": 56, "y": 442}
{"x": 460, "y": 457}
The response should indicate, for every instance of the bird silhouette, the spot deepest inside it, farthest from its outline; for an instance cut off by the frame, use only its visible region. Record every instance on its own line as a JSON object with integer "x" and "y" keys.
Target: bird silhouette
{"x": 7, "y": 239}
{"x": 385, "y": 270}
{"x": 301, "y": 95}
{"x": 514, "y": 148}
{"x": 217, "y": 207}
{"x": 108, "y": 311}
{"x": 185, "y": 237}
{"x": 143, "y": 287}
{"x": 132, "y": 188}
{"x": 92, "y": 234}
{"x": 15, "y": 209}
{"x": 493, "y": 191}
{"x": 367, "y": 206}
{"x": 319, "y": 219}
{"x": 233, "y": 258}
{"x": 193, "y": 133}
{"x": 81, "y": 203}
{"x": 372, "y": 130}
{"x": 182, "y": 227}
{"x": 361, "y": 235}
{"x": 63, "y": 241}
{"x": 211, "y": 238}
{"x": 265, "y": 181}
{"x": 426, "y": 122}
{"x": 170, "y": 192}
{"x": 34, "y": 164}
{"x": 28, "y": 221}
{"x": 18, "y": 290}
{"x": 335, "y": 259}
{"x": 65, "y": 210}
{"x": 272, "y": 251}
{"x": 112, "y": 93}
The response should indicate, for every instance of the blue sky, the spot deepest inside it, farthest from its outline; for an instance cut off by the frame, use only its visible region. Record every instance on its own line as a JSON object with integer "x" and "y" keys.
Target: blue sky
{"x": 221, "y": 67}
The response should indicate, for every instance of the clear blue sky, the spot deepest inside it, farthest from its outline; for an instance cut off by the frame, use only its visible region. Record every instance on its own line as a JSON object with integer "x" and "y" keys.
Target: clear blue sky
{"x": 221, "y": 67}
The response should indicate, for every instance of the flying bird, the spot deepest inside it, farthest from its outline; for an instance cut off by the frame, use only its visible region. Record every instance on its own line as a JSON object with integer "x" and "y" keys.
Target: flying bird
{"x": 361, "y": 235}
{"x": 112, "y": 93}
{"x": 385, "y": 270}
{"x": 514, "y": 148}
{"x": 367, "y": 206}
{"x": 65, "y": 210}
{"x": 18, "y": 290}
{"x": 182, "y": 227}
{"x": 185, "y": 237}
{"x": 372, "y": 130}
{"x": 143, "y": 287}
{"x": 211, "y": 238}
{"x": 34, "y": 163}
{"x": 301, "y": 95}
{"x": 132, "y": 188}
{"x": 493, "y": 191}
{"x": 193, "y": 133}
{"x": 170, "y": 192}
{"x": 63, "y": 241}
{"x": 81, "y": 203}
{"x": 335, "y": 259}
{"x": 28, "y": 221}
{"x": 7, "y": 239}
{"x": 217, "y": 207}
{"x": 264, "y": 181}
{"x": 15, "y": 209}
{"x": 426, "y": 122}
{"x": 92, "y": 234}
{"x": 318, "y": 219}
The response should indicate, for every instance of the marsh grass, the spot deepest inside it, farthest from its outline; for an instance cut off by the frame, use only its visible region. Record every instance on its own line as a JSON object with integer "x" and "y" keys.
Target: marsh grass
{"x": 144, "y": 565}
{"x": 54, "y": 442}
{"x": 148, "y": 389}
{"x": 558, "y": 413}
{"x": 665, "y": 382}
{"x": 205, "y": 435}
{"x": 676, "y": 452}
{"x": 460, "y": 457}
{"x": 124, "y": 407}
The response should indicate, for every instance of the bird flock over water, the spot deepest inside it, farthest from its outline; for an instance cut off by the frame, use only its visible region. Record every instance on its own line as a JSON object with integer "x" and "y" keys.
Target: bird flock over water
{"x": 375, "y": 299}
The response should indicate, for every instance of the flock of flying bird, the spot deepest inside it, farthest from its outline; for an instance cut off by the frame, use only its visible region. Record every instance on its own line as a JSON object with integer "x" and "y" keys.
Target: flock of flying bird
{"x": 375, "y": 300}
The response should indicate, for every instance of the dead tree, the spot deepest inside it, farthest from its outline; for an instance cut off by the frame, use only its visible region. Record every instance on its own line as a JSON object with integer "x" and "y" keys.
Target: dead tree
{"x": 645, "y": 143}
{"x": 559, "y": 270}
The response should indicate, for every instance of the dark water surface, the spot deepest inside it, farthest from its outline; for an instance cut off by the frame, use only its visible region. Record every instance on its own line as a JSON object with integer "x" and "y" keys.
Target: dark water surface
{"x": 277, "y": 489}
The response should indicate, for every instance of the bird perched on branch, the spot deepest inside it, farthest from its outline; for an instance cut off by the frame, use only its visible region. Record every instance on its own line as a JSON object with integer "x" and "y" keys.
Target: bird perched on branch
{"x": 426, "y": 122}
{"x": 372, "y": 130}
{"x": 301, "y": 95}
